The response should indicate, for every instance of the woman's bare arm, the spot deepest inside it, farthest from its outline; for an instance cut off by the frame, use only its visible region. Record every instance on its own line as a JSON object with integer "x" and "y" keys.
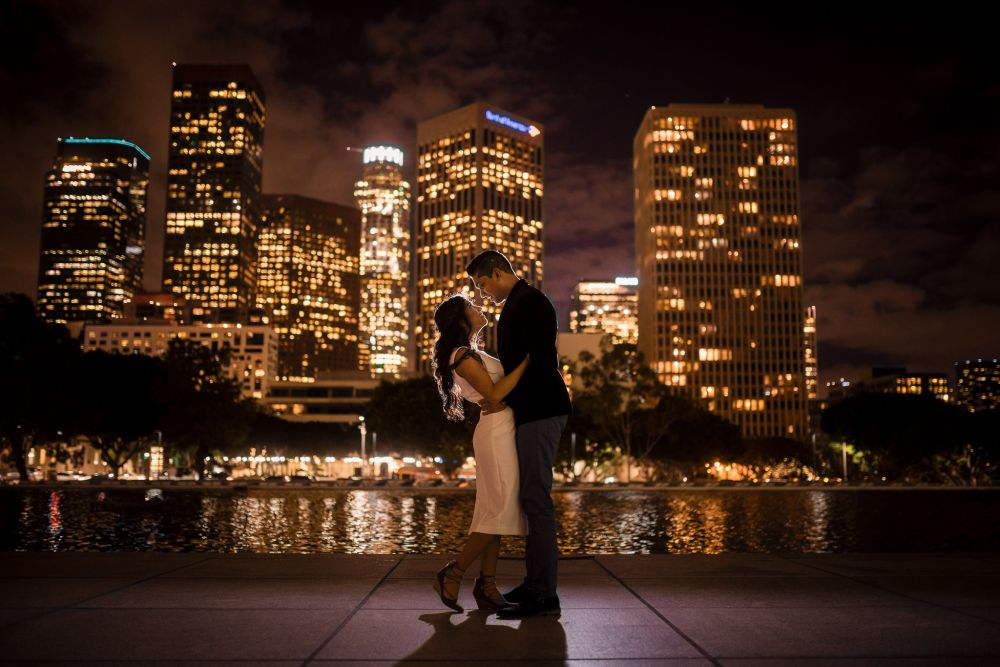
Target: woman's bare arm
{"x": 475, "y": 374}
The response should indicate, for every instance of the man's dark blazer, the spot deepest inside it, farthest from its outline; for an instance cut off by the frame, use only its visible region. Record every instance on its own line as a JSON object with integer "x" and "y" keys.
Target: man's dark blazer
{"x": 528, "y": 326}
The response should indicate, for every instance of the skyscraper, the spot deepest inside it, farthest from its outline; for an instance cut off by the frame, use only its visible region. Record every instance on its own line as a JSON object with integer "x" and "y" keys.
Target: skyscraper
{"x": 811, "y": 354}
{"x": 93, "y": 230}
{"x": 718, "y": 248}
{"x": 213, "y": 189}
{"x": 384, "y": 199}
{"x": 309, "y": 284}
{"x": 606, "y": 306}
{"x": 977, "y": 384}
{"x": 479, "y": 187}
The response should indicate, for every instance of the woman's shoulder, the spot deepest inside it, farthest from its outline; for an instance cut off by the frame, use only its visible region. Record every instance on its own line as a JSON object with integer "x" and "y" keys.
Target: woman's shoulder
{"x": 462, "y": 352}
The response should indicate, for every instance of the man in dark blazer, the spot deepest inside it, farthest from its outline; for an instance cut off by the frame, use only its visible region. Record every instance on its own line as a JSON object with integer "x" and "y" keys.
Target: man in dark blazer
{"x": 541, "y": 405}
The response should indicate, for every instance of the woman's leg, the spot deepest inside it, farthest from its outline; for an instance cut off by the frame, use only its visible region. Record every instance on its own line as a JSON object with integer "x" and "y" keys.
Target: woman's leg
{"x": 474, "y": 548}
{"x": 491, "y": 554}
{"x": 448, "y": 581}
{"x": 486, "y": 593}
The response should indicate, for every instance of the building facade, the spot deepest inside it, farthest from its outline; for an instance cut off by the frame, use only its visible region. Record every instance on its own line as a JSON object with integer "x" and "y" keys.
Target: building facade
{"x": 893, "y": 380}
{"x": 977, "y": 384}
{"x": 339, "y": 398}
{"x": 309, "y": 284}
{"x": 253, "y": 348}
{"x": 811, "y": 354}
{"x": 383, "y": 197}
{"x": 479, "y": 187}
{"x": 93, "y": 230}
{"x": 718, "y": 249}
{"x": 606, "y": 306}
{"x": 214, "y": 166}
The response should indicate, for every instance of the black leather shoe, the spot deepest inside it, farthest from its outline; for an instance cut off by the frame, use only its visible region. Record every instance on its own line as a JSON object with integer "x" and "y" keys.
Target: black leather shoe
{"x": 535, "y": 607}
{"x": 520, "y": 594}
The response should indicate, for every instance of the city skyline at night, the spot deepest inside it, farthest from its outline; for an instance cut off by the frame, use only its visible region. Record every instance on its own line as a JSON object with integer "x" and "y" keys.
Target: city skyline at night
{"x": 896, "y": 230}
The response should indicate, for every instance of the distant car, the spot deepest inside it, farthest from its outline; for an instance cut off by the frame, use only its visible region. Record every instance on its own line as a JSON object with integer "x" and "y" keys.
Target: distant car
{"x": 302, "y": 476}
{"x": 71, "y": 476}
{"x": 218, "y": 475}
{"x": 35, "y": 474}
{"x": 184, "y": 473}
{"x": 277, "y": 478}
{"x": 132, "y": 476}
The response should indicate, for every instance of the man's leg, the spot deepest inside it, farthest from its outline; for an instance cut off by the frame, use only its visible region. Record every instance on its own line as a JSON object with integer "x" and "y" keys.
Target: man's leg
{"x": 536, "y": 451}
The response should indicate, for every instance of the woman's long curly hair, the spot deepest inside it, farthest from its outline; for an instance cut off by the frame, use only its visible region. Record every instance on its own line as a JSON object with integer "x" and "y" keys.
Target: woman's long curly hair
{"x": 454, "y": 331}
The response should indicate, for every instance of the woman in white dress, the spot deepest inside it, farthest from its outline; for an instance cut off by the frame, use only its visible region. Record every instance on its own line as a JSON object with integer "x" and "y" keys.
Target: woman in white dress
{"x": 463, "y": 372}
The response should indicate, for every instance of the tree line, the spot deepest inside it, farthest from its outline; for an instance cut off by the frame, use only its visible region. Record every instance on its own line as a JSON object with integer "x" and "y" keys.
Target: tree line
{"x": 622, "y": 412}
{"x": 51, "y": 391}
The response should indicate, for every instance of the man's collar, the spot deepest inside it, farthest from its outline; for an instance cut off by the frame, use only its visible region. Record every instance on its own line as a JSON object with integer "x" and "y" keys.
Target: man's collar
{"x": 516, "y": 290}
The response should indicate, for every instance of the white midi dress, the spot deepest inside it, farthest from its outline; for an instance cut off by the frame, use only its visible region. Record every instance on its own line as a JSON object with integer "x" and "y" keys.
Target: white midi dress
{"x": 498, "y": 510}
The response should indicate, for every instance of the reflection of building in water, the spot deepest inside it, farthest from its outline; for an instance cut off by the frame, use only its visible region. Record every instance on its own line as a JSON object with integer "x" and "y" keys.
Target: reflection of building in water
{"x": 696, "y": 526}
{"x": 817, "y": 522}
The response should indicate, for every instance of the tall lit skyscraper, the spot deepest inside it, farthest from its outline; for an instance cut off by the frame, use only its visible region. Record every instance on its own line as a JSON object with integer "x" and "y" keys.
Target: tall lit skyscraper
{"x": 479, "y": 187}
{"x": 384, "y": 199}
{"x": 718, "y": 248}
{"x": 309, "y": 284}
{"x": 811, "y": 354}
{"x": 606, "y": 306}
{"x": 93, "y": 230}
{"x": 213, "y": 189}
{"x": 977, "y": 384}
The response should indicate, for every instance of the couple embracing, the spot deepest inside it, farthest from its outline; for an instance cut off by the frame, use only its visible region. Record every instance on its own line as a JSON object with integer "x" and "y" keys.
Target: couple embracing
{"x": 524, "y": 410}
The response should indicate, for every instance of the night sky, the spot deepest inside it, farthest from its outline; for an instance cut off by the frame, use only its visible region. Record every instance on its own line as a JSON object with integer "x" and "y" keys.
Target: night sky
{"x": 899, "y": 129}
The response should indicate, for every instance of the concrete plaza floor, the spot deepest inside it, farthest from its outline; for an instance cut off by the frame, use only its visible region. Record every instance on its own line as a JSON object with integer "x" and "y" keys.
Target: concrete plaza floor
{"x": 732, "y": 609}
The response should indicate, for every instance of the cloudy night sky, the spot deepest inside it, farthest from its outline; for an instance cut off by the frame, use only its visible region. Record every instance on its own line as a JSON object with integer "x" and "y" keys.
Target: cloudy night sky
{"x": 898, "y": 130}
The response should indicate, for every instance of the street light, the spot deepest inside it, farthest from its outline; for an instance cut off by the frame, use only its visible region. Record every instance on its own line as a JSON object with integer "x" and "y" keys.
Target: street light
{"x": 572, "y": 454}
{"x": 364, "y": 432}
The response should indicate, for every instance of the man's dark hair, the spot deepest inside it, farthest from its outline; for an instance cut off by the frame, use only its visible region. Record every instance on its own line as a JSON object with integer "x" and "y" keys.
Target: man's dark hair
{"x": 486, "y": 261}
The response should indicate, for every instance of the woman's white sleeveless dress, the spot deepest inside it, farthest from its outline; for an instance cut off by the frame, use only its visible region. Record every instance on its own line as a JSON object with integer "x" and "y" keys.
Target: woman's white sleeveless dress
{"x": 498, "y": 510}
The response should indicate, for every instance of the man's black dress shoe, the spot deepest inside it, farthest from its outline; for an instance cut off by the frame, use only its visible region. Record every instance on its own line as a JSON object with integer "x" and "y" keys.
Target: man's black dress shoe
{"x": 520, "y": 594}
{"x": 535, "y": 607}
